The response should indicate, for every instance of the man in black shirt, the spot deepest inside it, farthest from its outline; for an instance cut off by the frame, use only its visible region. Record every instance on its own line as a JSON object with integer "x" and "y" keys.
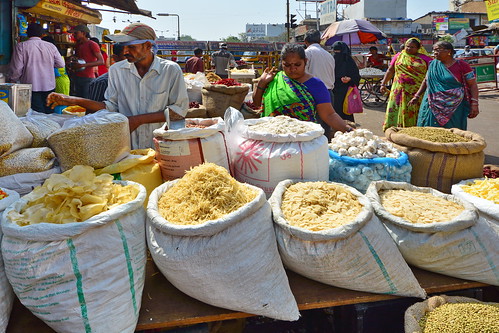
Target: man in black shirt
{"x": 98, "y": 86}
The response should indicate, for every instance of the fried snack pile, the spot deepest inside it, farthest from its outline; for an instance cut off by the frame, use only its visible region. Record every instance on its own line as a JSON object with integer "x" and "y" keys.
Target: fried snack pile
{"x": 73, "y": 196}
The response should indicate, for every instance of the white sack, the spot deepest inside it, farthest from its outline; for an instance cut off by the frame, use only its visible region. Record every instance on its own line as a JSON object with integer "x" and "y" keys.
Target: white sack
{"x": 264, "y": 160}
{"x": 465, "y": 247}
{"x": 23, "y": 183}
{"x": 6, "y": 293}
{"x": 358, "y": 256}
{"x": 486, "y": 208}
{"x": 83, "y": 276}
{"x": 231, "y": 263}
{"x": 177, "y": 150}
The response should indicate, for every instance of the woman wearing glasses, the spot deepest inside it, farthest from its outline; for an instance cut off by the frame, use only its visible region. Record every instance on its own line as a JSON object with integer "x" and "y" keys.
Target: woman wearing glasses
{"x": 451, "y": 91}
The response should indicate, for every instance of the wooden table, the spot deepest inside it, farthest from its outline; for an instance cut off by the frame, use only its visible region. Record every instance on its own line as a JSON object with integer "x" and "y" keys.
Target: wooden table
{"x": 164, "y": 306}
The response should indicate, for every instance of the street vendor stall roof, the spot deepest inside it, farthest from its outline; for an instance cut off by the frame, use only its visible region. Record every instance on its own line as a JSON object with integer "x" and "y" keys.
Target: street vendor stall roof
{"x": 126, "y": 5}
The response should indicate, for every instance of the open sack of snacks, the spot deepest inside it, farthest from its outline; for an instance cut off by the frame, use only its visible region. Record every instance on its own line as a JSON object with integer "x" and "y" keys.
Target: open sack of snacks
{"x": 75, "y": 247}
{"x": 452, "y": 314}
{"x": 328, "y": 232}
{"x": 437, "y": 232}
{"x": 7, "y": 197}
{"x": 212, "y": 238}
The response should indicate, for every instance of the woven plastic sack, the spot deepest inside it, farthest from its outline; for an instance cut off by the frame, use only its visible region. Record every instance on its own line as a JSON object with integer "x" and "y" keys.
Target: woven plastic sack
{"x": 13, "y": 134}
{"x": 97, "y": 140}
{"x": 265, "y": 159}
{"x": 360, "y": 172}
{"x": 440, "y": 165}
{"x": 218, "y": 97}
{"x": 179, "y": 150}
{"x": 27, "y": 160}
{"x": 232, "y": 262}
{"x": 23, "y": 183}
{"x": 40, "y": 126}
{"x": 359, "y": 255}
{"x": 6, "y": 293}
{"x": 417, "y": 311}
{"x": 465, "y": 247}
{"x": 86, "y": 276}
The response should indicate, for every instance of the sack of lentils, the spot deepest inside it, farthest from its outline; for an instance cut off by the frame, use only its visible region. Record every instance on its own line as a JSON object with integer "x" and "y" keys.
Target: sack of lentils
{"x": 451, "y": 314}
{"x": 440, "y": 157}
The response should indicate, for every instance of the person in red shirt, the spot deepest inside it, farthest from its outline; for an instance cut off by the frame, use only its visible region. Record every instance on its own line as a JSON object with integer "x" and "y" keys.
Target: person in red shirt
{"x": 102, "y": 69}
{"x": 375, "y": 59}
{"x": 195, "y": 64}
{"x": 82, "y": 74}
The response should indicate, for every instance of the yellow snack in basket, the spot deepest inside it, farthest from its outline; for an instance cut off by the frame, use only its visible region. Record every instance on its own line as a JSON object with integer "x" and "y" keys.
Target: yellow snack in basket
{"x": 487, "y": 189}
{"x": 73, "y": 196}
{"x": 74, "y": 109}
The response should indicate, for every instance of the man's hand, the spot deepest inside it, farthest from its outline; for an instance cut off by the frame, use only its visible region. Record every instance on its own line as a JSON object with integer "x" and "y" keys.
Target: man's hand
{"x": 55, "y": 99}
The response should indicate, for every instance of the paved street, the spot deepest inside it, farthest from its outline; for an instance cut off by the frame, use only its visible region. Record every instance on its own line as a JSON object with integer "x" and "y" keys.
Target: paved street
{"x": 486, "y": 124}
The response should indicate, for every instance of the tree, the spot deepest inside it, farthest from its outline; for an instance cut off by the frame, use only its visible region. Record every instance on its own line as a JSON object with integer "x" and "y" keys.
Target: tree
{"x": 244, "y": 37}
{"x": 186, "y": 37}
{"x": 231, "y": 39}
{"x": 446, "y": 38}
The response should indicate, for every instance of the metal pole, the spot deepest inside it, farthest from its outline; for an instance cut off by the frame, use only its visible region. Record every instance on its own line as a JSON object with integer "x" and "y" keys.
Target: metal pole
{"x": 178, "y": 22}
{"x": 287, "y": 18}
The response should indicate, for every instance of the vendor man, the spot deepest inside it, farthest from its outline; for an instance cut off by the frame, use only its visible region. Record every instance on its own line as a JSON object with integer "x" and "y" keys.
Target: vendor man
{"x": 145, "y": 88}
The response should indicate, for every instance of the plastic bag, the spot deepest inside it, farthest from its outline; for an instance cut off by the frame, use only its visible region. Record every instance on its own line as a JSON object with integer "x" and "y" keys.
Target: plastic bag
{"x": 353, "y": 102}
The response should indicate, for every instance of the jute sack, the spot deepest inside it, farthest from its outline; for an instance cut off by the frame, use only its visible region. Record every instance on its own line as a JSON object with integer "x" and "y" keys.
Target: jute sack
{"x": 465, "y": 247}
{"x": 440, "y": 165}
{"x": 360, "y": 255}
{"x": 83, "y": 276}
{"x": 231, "y": 263}
{"x": 487, "y": 208}
{"x": 6, "y": 293}
{"x": 218, "y": 97}
{"x": 417, "y": 311}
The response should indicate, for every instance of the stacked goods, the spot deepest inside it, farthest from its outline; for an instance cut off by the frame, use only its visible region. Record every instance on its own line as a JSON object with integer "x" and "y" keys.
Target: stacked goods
{"x": 40, "y": 127}
{"x": 328, "y": 233}
{"x": 452, "y": 314}
{"x": 13, "y": 134}
{"x": 440, "y": 157}
{"x": 66, "y": 242}
{"x": 97, "y": 140}
{"x": 267, "y": 150}
{"x": 437, "y": 232}
{"x": 205, "y": 220}
{"x": 356, "y": 158}
{"x": 483, "y": 193}
{"x": 7, "y": 197}
{"x": 218, "y": 97}
{"x": 202, "y": 140}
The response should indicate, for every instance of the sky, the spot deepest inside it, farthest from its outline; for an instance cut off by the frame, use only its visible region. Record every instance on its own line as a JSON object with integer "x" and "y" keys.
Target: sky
{"x": 217, "y": 19}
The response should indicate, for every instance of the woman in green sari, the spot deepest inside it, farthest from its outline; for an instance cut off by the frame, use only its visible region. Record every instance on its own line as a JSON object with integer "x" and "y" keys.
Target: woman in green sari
{"x": 451, "y": 95}
{"x": 408, "y": 69}
{"x": 295, "y": 93}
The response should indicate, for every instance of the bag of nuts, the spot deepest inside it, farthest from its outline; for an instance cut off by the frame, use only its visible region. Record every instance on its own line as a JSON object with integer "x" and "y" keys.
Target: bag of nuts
{"x": 13, "y": 134}
{"x": 97, "y": 140}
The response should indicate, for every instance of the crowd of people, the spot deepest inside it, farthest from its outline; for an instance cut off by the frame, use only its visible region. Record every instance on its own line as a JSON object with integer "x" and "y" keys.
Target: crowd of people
{"x": 311, "y": 83}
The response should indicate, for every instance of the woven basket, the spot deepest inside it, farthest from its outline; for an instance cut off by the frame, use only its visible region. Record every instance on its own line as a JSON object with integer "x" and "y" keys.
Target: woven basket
{"x": 218, "y": 97}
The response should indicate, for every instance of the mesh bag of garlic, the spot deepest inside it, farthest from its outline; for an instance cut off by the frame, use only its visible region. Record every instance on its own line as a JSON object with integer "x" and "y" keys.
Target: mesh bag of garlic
{"x": 327, "y": 232}
{"x": 356, "y": 158}
{"x": 437, "y": 232}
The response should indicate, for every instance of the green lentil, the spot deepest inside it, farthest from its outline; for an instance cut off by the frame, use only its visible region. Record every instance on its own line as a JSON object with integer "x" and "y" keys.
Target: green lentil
{"x": 433, "y": 134}
{"x": 462, "y": 318}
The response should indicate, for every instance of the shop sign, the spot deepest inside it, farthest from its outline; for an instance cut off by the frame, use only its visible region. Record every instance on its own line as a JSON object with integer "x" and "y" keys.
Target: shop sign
{"x": 484, "y": 72}
{"x": 66, "y": 10}
{"x": 492, "y": 10}
{"x": 458, "y": 23}
{"x": 441, "y": 22}
{"x": 479, "y": 41}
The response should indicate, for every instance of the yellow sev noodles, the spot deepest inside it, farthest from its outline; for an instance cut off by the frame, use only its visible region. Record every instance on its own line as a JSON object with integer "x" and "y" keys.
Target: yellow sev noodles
{"x": 487, "y": 189}
{"x": 206, "y": 192}
{"x": 419, "y": 207}
{"x": 319, "y": 206}
{"x": 73, "y": 196}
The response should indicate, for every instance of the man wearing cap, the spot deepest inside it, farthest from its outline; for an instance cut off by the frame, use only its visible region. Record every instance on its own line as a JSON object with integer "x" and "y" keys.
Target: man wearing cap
{"x": 83, "y": 74}
{"x": 33, "y": 61}
{"x": 222, "y": 60}
{"x": 145, "y": 88}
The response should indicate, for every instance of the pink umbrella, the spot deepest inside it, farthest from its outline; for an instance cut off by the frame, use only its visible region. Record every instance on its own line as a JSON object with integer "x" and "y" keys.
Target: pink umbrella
{"x": 352, "y": 32}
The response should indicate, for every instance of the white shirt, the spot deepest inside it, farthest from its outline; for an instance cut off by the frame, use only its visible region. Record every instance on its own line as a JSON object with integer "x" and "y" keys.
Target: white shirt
{"x": 320, "y": 63}
{"x": 161, "y": 88}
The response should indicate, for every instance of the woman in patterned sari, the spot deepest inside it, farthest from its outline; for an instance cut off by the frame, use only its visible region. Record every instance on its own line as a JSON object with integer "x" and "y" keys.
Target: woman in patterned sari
{"x": 295, "y": 93}
{"x": 451, "y": 95}
{"x": 408, "y": 69}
